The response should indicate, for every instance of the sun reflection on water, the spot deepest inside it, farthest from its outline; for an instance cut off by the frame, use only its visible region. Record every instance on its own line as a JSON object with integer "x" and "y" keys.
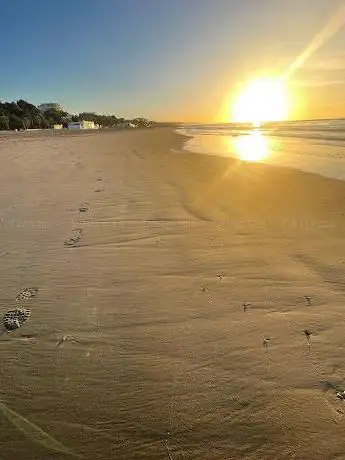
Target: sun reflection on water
{"x": 253, "y": 147}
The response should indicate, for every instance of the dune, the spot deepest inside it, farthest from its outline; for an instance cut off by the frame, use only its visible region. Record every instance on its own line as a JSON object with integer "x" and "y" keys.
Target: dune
{"x": 174, "y": 292}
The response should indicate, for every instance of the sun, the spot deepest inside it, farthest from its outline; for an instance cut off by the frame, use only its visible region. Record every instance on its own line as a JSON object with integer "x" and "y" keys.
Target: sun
{"x": 260, "y": 101}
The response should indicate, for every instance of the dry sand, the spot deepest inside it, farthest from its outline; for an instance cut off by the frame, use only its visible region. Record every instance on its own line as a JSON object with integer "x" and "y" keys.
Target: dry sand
{"x": 138, "y": 345}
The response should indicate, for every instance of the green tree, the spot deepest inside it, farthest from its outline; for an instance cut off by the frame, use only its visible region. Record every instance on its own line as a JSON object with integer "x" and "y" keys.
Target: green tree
{"x": 89, "y": 116}
{"x": 43, "y": 123}
{"x": 15, "y": 121}
{"x": 55, "y": 117}
{"x": 4, "y": 122}
{"x": 23, "y": 114}
{"x": 141, "y": 122}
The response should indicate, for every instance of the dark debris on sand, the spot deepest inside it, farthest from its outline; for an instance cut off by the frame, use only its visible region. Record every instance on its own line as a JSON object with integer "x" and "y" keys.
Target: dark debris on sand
{"x": 84, "y": 208}
{"x": 246, "y": 305}
{"x": 308, "y": 333}
{"x": 307, "y": 300}
{"x": 266, "y": 341}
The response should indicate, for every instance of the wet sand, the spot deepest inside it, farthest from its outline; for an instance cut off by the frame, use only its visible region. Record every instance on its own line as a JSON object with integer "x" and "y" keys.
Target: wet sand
{"x": 139, "y": 345}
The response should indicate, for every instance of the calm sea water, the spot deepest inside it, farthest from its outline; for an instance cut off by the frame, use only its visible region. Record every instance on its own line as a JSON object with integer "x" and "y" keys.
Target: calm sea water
{"x": 314, "y": 146}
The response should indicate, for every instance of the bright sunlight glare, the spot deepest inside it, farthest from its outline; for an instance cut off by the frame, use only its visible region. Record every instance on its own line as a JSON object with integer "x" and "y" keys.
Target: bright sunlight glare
{"x": 252, "y": 147}
{"x": 262, "y": 100}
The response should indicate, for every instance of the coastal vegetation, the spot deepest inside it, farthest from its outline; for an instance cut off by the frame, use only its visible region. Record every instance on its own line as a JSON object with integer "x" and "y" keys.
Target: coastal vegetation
{"x": 24, "y": 115}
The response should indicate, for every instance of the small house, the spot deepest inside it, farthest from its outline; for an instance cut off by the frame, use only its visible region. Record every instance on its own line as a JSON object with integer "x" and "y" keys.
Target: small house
{"x": 84, "y": 124}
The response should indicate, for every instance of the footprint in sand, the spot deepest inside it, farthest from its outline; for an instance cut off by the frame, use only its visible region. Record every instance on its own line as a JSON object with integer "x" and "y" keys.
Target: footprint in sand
{"x": 14, "y": 319}
{"x": 26, "y": 294}
{"x": 337, "y": 413}
{"x": 66, "y": 338}
{"x": 139, "y": 154}
{"x": 76, "y": 236}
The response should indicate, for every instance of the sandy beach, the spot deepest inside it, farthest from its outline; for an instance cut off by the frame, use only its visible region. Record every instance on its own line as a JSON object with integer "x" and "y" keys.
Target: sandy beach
{"x": 174, "y": 327}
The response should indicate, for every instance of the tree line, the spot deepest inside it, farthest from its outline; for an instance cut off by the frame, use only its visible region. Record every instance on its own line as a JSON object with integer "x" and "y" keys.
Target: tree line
{"x": 23, "y": 115}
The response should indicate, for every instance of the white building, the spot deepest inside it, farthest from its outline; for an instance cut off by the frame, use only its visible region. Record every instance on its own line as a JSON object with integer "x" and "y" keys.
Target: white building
{"x": 84, "y": 124}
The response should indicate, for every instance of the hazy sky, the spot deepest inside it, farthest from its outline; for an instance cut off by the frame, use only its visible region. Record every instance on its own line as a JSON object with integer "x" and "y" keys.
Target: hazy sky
{"x": 168, "y": 59}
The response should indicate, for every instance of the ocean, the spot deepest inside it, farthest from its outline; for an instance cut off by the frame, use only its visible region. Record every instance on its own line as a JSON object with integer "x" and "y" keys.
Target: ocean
{"x": 316, "y": 146}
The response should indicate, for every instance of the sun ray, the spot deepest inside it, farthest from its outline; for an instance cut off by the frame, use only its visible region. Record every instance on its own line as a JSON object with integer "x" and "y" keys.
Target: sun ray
{"x": 329, "y": 30}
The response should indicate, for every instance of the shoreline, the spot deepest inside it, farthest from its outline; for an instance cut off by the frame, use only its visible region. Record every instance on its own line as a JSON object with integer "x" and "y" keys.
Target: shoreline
{"x": 307, "y": 196}
{"x": 309, "y": 154}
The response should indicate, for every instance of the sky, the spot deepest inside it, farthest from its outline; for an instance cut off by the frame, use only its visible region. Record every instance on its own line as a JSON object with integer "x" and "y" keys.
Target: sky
{"x": 171, "y": 60}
